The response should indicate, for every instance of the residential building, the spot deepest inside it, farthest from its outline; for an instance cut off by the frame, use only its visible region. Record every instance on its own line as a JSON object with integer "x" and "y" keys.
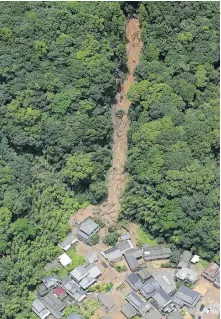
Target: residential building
{"x": 79, "y": 273}
{"x": 211, "y": 272}
{"x": 60, "y": 293}
{"x": 54, "y": 305}
{"x": 156, "y": 252}
{"x": 93, "y": 270}
{"x": 132, "y": 255}
{"x": 187, "y": 275}
{"x": 51, "y": 281}
{"x": 175, "y": 315}
{"x": 216, "y": 283}
{"x": 74, "y": 290}
{"x": 106, "y": 300}
{"x": 87, "y": 282}
{"x": 87, "y": 229}
{"x": 140, "y": 305}
{"x": 186, "y": 297}
{"x": 52, "y": 265}
{"x": 144, "y": 274}
{"x": 124, "y": 246}
{"x": 185, "y": 259}
{"x": 39, "y": 309}
{"x": 125, "y": 236}
{"x": 153, "y": 314}
{"x": 163, "y": 301}
{"x": 113, "y": 254}
{"x": 42, "y": 290}
{"x": 68, "y": 242}
{"x": 166, "y": 280}
{"x": 195, "y": 259}
{"x": 128, "y": 311}
{"x": 92, "y": 257}
{"x": 65, "y": 260}
{"x": 149, "y": 288}
{"x": 134, "y": 281}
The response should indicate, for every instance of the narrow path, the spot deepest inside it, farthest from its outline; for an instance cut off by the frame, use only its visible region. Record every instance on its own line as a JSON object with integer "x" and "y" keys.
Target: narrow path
{"x": 109, "y": 210}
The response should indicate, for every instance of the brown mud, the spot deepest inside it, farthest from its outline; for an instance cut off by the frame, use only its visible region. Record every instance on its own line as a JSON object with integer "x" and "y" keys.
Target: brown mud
{"x": 109, "y": 209}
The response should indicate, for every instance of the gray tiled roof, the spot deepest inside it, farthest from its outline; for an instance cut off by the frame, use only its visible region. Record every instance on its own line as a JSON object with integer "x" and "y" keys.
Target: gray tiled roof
{"x": 88, "y": 226}
{"x": 186, "y": 296}
{"x": 51, "y": 281}
{"x": 132, "y": 262}
{"x": 128, "y": 310}
{"x": 134, "y": 281}
{"x": 156, "y": 252}
{"x": 149, "y": 288}
{"x": 162, "y": 298}
{"x": 144, "y": 274}
{"x": 106, "y": 300}
{"x": 124, "y": 245}
{"x": 165, "y": 280}
{"x": 67, "y": 242}
{"x": 79, "y": 272}
{"x": 113, "y": 254}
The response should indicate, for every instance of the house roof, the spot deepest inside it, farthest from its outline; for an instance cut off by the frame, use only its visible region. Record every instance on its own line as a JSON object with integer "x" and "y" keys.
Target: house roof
{"x": 195, "y": 259}
{"x": 79, "y": 273}
{"x": 185, "y": 259}
{"x": 87, "y": 282}
{"x": 88, "y": 226}
{"x": 124, "y": 245}
{"x": 54, "y": 305}
{"x": 149, "y": 288}
{"x": 187, "y": 274}
{"x": 93, "y": 270}
{"x": 165, "y": 280}
{"x": 135, "y": 252}
{"x": 211, "y": 270}
{"x": 106, "y": 300}
{"x": 68, "y": 241}
{"x": 39, "y": 309}
{"x": 156, "y": 252}
{"x": 113, "y": 254}
{"x": 185, "y": 295}
{"x": 134, "y": 281}
{"x": 132, "y": 262}
{"x": 137, "y": 302}
{"x": 153, "y": 314}
{"x": 51, "y": 281}
{"x": 144, "y": 274}
{"x": 175, "y": 315}
{"x": 74, "y": 290}
{"x": 59, "y": 291}
{"x": 53, "y": 264}
{"x": 125, "y": 236}
{"x": 128, "y": 310}
{"x": 74, "y": 315}
{"x": 162, "y": 298}
{"x": 42, "y": 289}
{"x": 65, "y": 260}
{"x": 92, "y": 257}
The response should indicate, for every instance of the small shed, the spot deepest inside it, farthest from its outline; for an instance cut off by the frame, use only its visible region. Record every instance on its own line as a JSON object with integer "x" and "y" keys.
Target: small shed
{"x": 65, "y": 260}
{"x": 113, "y": 254}
{"x": 125, "y": 236}
{"x": 128, "y": 311}
{"x": 68, "y": 242}
{"x": 195, "y": 259}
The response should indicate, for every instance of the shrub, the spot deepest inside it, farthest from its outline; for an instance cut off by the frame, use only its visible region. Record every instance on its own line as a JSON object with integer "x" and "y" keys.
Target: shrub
{"x": 111, "y": 238}
{"x": 121, "y": 268}
{"x": 94, "y": 240}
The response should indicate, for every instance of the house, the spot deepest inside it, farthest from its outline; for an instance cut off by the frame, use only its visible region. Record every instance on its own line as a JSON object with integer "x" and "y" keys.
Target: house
{"x": 187, "y": 275}
{"x": 195, "y": 259}
{"x": 128, "y": 311}
{"x": 175, "y": 315}
{"x": 211, "y": 271}
{"x": 186, "y": 297}
{"x": 54, "y": 305}
{"x": 68, "y": 242}
{"x": 185, "y": 259}
{"x": 156, "y": 252}
{"x": 216, "y": 283}
{"x": 74, "y": 290}
{"x": 42, "y": 290}
{"x": 93, "y": 270}
{"x": 74, "y": 315}
{"x": 60, "y": 293}
{"x": 134, "y": 281}
{"x": 79, "y": 273}
{"x": 149, "y": 288}
{"x": 51, "y": 281}
{"x": 52, "y": 265}
{"x": 87, "y": 229}
{"x": 124, "y": 245}
{"x": 132, "y": 255}
{"x": 106, "y": 300}
{"x": 162, "y": 301}
{"x": 87, "y": 282}
{"x": 154, "y": 314}
{"x": 92, "y": 257}
{"x": 125, "y": 236}
{"x": 65, "y": 260}
{"x": 113, "y": 254}
{"x": 165, "y": 280}
{"x": 144, "y": 274}
{"x": 39, "y": 309}
{"x": 140, "y": 305}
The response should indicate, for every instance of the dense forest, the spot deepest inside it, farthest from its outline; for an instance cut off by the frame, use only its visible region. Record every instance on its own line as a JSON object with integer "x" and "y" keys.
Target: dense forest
{"x": 173, "y": 157}
{"x": 61, "y": 65}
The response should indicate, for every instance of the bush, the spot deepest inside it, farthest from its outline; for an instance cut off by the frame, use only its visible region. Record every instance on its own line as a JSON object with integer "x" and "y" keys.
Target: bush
{"x": 101, "y": 287}
{"x": 111, "y": 238}
{"x": 121, "y": 268}
{"x": 100, "y": 222}
{"x": 94, "y": 240}
{"x": 144, "y": 238}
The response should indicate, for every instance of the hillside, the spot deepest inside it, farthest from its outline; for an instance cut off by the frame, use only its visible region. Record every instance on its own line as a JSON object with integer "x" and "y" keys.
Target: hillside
{"x": 173, "y": 158}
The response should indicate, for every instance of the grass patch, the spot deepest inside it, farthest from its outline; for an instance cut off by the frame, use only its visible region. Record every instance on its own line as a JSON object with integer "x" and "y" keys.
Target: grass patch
{"x": 121, "y": 268}
{"x": 121, "y": 287}
{"x": 204, "y": 263}
{"x": 76, "y": 261}
{"x": 86, "y": 309}
{"x": 101, "y": 287}
{"x": 144, "y": 238}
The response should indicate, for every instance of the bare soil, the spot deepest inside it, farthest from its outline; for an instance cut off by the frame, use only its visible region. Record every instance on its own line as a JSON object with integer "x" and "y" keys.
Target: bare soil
{"x": 109, "y": 210}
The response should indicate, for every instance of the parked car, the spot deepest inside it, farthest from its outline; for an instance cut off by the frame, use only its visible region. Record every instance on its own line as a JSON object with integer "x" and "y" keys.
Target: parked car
{"x": 201, "y": 308}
